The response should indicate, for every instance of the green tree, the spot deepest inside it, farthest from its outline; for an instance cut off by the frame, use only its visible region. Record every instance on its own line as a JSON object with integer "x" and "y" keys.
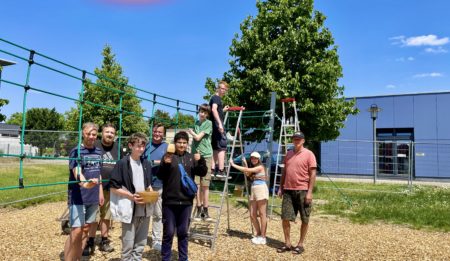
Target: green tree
{"x": 110, "y": 76}
{"x": 184, "y": 120}
{"x": 15, "y": 118}
{"x": 3, "y": 102}
{"x": 42, "y": 120}
{"x": 163, "y": 117}
{"x": 287, "y": 49}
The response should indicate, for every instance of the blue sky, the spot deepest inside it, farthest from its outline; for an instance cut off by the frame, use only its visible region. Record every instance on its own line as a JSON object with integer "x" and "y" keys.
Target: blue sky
{"x": 170, "y": 47}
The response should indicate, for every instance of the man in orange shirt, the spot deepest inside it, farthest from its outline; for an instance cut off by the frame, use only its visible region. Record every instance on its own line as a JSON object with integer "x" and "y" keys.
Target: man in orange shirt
{"x": 297, "y": 183}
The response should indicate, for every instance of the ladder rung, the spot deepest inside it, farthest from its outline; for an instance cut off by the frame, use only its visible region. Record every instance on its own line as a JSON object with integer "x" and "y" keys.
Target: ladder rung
{"x": 201, "y": 236}
{"x": 219, "y": 179}
{"x": 289, "y": 125}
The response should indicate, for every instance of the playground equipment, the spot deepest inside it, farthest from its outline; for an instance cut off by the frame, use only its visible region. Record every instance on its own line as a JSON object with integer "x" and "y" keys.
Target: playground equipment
{"x": 289, "y": 125}
{"x": 207, "y": 231}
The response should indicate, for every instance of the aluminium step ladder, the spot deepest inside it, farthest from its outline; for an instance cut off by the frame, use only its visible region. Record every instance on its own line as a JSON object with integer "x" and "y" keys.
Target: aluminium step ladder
{"x": 207, "y": 231}
{"x": 289, "y": 125}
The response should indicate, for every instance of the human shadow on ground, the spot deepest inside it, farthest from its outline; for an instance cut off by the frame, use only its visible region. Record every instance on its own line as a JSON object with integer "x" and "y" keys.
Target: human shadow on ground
{"x": 274, "y": 243}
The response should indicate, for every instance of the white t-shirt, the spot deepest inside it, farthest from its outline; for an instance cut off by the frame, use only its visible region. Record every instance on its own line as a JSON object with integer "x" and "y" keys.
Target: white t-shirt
{"x": 139, "y": 185}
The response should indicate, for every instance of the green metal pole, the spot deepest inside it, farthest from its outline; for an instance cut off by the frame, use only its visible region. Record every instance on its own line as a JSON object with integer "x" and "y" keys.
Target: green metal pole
{"x": 80, "y": 120}
{"x": 120, "y": 123}
{"x": 24, "y": 116}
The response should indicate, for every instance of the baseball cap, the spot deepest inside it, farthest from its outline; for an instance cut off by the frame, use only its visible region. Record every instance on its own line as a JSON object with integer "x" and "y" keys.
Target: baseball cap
{"x": 255, "y": 154}
{"x": 298, "y": 135}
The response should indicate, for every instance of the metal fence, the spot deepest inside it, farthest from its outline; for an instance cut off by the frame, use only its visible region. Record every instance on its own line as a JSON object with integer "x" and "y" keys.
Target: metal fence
{"x": 392, "y": 159}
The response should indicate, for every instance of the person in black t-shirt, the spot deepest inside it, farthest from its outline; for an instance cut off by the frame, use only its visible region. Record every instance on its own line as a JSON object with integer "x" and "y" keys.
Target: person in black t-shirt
{"x": 218, "y": 134}
{"x": 176, "y": 204}
{"x": 110, "y": 154}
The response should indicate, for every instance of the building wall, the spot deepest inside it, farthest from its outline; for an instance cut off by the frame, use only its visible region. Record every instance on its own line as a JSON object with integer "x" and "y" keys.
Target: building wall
{"x": 427, "y": 114}
{"x": 10, "y": 145}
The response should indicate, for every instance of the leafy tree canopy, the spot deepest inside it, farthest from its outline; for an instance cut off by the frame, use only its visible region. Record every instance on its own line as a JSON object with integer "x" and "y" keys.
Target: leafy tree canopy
{"x": 287, "y": 49}
{"x": 102, "y": 99}
{"x": 3, "y": 102}
{"x": 41, "y": 120}
{"x": 15, "y": 118}
{"x": 184, "y": 120}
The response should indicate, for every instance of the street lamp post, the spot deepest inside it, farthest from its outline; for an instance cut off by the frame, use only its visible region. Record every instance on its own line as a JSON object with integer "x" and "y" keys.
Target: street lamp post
{"x": 374, "y": 115}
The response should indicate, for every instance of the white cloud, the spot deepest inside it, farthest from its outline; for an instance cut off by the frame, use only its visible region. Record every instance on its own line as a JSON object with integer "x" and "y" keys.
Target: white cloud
{"x": 405, "y": 59}
{"x": 433, "y": 75}
{"x": 428, "y": 40}
{"x": 422, "y": 40}
{"x": 390, "y": 86}
{"x": 439, "y": 49}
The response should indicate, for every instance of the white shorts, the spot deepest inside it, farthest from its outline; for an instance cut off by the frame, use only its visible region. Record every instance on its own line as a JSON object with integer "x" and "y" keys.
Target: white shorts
{"x": 259, "y": 192}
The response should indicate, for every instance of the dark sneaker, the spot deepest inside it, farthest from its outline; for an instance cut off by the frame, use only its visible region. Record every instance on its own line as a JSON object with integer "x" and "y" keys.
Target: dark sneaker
{"x": 105, "y": 246}
{"x": 221, "y": 175}
{"x": 198, "y": 216}
{"x": 88, "y": 250}
{"x": 90, "y": 247}
{"x": 206, "y": 217}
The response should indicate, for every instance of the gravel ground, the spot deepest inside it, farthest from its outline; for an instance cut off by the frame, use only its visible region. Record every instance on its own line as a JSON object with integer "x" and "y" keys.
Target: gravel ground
{"x": 33, "y": 234}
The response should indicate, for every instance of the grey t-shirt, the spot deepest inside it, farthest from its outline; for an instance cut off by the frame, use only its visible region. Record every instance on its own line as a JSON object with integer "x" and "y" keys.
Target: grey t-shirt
{"x": 139, "y": 185}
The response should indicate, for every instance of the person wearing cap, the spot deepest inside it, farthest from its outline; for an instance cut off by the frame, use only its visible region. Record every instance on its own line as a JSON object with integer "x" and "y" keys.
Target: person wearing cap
{"x": 296, "y": 187}
{"x": 259, "y": 196}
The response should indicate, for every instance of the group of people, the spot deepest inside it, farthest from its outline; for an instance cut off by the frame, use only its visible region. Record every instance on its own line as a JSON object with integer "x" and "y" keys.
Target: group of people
{"x": 296, "y": 185}
{"x": 104, "y": 185}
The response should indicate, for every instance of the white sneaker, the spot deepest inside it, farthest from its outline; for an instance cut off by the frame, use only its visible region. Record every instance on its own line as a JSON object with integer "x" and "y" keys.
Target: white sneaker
{"x": 157, "y": 246}
{"x": 259, "y": 240}
{"x": 255, "y": 240}
{"x": 262, "y": 240}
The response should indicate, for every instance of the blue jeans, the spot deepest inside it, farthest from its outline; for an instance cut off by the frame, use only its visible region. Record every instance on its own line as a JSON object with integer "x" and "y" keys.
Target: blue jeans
{"x": 79, "y": 215}
{"x": 175, "y": 217}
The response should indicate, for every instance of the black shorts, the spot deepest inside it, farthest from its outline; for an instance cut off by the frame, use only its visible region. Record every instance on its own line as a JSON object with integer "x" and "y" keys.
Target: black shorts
{"x": 218, "y": 140}
{"x": 294, "y": 202}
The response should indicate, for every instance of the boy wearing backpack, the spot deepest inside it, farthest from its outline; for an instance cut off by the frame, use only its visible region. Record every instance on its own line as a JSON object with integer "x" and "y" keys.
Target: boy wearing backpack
{"x": 176, "y": 200}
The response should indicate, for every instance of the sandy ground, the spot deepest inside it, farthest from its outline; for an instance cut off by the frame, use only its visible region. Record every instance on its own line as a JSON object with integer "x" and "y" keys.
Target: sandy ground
{"x": 33, "y": 234}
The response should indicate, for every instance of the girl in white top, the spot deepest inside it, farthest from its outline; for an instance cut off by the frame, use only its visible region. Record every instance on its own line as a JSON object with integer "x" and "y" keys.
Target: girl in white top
{"x": 259, "y": 195}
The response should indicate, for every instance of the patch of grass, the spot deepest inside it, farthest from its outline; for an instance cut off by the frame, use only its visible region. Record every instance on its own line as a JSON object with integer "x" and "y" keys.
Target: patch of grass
{"x": 424, "y": 207}
{"x": 33, "y": 174}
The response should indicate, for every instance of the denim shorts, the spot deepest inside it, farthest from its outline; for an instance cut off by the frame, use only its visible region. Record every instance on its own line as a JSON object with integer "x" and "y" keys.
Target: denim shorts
{"x": 79, "y": 215}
